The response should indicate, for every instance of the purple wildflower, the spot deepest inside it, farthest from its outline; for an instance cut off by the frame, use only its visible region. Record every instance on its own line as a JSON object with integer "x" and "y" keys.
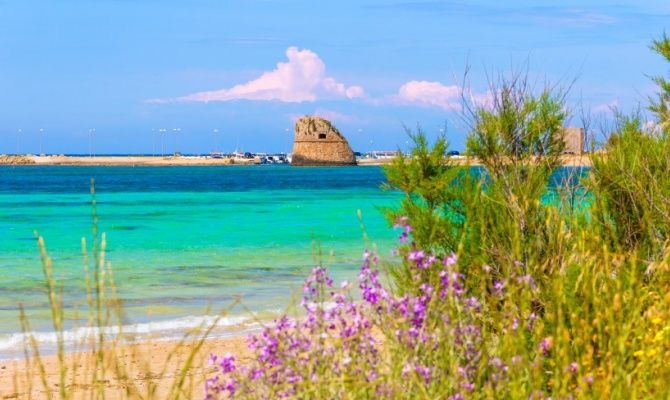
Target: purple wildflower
{"x": 416, "y": 256}
{"x": 227, "y": 364}
{"x": 573, "y": 368}
{"x": 527, "y": 279}
{"x": 450, "y": 260}
{"x": 424, "y": 372}
{"x": 545, "y": 346}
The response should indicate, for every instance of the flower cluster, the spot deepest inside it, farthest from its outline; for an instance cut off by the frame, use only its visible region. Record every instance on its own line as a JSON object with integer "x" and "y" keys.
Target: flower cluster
{"x": 334, "y": 338}
{"x": 433, "y": 330}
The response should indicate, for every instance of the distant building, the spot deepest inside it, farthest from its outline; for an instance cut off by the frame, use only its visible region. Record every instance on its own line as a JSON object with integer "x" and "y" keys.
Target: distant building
{"x": 574, "y": 140}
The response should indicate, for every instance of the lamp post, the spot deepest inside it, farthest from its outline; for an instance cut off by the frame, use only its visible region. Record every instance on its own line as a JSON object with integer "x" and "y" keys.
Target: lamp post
{"x": 176, "y": 138}
{"x": 216, "y": 139}
{"x": 91, "y": 132}
{"x": 18, "y": 138}
{"x": 161, "y": 133}
{"x": 41, "y": 137}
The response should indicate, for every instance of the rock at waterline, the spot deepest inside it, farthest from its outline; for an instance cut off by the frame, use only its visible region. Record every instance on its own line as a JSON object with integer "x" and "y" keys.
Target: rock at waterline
{"x": 318, "y": 142}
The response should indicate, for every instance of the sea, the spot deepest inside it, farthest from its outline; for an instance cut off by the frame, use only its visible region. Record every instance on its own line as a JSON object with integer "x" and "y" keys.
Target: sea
{"x": 184, "y": 242}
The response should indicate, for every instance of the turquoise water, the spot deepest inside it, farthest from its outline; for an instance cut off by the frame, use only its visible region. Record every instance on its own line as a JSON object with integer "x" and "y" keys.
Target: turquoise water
{"x": 181, "y": 239}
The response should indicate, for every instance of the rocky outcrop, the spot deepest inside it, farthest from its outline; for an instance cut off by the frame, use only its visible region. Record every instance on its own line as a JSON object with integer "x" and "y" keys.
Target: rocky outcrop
{"x": 318, "y": 142}
{"x": 15, "y": 160}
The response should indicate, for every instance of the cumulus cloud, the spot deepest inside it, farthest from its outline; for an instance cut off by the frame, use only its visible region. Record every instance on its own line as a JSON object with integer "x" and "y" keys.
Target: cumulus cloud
{"x": 605, "y": 108}
{"x": 437, "y": 95}
{"x": 430, "y": 94}
{"x": 300, "y": 79}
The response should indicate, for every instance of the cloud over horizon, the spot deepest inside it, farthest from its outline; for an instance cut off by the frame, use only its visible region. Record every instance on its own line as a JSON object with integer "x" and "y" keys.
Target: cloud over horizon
{"x": 301, "y": 79}
{"x": 429, "y": 94}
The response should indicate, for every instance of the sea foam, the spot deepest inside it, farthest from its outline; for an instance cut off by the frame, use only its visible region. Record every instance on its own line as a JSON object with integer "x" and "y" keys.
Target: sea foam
{"x": 12, "y": 345}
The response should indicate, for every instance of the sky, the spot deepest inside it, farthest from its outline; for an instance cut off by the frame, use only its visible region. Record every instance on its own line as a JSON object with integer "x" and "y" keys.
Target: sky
{"x": 123, "y": 76}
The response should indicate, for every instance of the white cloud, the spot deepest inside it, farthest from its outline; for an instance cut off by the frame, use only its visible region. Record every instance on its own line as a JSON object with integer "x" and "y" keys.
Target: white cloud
{"x": 437, "y": 95}
{"x": 301, "y": 79}
{"x": 605, "y": 108}
{"x": 430, "y": 94}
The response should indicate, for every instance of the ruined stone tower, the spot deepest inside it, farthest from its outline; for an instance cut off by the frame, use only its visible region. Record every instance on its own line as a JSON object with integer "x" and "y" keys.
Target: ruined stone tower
{"x": 574, "y": 141}
{"x": 318, "y": 142}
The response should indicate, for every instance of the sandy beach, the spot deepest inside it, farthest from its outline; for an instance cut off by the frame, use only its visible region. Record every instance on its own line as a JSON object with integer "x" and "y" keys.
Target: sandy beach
{"x": 568, "y": 160}
{"x": 122, "y": 160}
{"x": 151, "y": 368}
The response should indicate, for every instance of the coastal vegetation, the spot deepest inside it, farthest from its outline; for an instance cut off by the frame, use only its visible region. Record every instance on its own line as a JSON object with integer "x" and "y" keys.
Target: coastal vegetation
{"x": 499, "y": 293}
{"x": 499, "y": 289}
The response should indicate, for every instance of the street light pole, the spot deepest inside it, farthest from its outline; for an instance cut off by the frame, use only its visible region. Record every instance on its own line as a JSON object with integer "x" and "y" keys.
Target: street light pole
{"x": 176, "y": 138}
{"x": 41, "y": 138}
{"x": 18, "y": 138}
{"x": 91, "y": 132}
{"x": 161, "y": 133}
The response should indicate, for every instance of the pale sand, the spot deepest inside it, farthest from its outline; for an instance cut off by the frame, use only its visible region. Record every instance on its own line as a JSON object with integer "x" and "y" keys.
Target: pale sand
{"x": 123, "y": 161}
{"x": 145, "y": 363}
{"x": 567, "y": 161}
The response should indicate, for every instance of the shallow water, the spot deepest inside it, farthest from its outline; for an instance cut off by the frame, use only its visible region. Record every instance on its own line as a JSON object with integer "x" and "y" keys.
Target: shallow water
{"x": 181, "y": 239}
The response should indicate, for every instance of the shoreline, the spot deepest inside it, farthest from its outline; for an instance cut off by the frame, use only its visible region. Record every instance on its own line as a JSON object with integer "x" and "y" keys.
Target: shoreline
{"x": 160, "y": 161}
{"x": 151, "y": 364}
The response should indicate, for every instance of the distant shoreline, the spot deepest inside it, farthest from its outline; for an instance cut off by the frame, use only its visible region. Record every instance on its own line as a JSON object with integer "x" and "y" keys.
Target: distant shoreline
{"x": 133, "y": 161}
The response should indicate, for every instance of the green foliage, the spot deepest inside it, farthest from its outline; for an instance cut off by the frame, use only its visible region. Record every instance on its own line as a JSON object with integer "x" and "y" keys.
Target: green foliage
{"x": 430, "y": 183}
{"x": 630, "y": 179}
{"x": 661, "y": 105}
{"x": 490, "y": 215}
{"x": 631, "y": 188}
{"x": 601, "y": 267}
{"x": 519, "y": 128}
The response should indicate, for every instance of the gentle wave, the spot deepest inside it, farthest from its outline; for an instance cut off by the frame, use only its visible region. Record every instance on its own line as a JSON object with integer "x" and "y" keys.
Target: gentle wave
{"x": 169, "y": 329}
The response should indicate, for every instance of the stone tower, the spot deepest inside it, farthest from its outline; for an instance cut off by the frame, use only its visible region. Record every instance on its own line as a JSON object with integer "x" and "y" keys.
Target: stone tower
{"x": 318, "y": 142}
{"x": 574, "y": 141}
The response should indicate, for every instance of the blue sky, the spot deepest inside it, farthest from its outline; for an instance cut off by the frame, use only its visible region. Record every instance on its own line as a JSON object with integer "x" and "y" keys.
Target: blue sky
{"x": 249, "y": 68}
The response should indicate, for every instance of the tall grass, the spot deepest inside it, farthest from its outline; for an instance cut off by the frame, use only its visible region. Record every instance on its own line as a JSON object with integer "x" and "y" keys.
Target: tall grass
{"x": 104, "y": 364}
